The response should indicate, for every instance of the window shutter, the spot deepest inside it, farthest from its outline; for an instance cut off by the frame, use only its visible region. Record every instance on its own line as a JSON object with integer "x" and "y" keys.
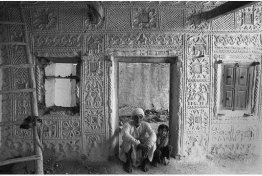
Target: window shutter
{"x": 228, "y": 96}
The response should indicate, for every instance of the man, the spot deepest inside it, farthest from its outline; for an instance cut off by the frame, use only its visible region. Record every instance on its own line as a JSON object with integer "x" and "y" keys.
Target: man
{"x": 139, "y": 142}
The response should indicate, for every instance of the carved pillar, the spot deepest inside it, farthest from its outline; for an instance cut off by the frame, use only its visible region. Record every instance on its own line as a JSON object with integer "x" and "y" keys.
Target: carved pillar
{"x": 94, "y": 109}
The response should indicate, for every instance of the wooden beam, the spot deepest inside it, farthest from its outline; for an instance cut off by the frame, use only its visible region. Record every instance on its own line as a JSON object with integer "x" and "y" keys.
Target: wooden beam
{"x": 222, "y": 10}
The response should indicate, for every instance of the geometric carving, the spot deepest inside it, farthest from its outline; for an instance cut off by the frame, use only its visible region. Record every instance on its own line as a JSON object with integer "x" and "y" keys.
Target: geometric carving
{"x": 197, "y": 120}
{"x": 72, "y": 19}
{"x": 94, "y": 120}
{"x": 95, "y": 44}
{"x": 198, "y": 69}
{"x": 22, "y": 133}
{"x": 17, "y": 33}
{"x": 249, "y": 18}
{"x": 197, "y": 45}
{"x": 118, "y": 19}
{"x": 20, "y": 78}
{"x": 171, "y": 18}
{"x": 44, "y": 19}
{"x": 14, "y": 14}
{"x": 226, "y": 22}
{"x": 57, "y": 40}
{"x": 237, "y": 40}
{"x": 18, "y": 54}
{"x": 138, "y": 40}
{"x": 144, "y": 18}
{"x": 71, "y": 129}
{"x": 197, "y": 94}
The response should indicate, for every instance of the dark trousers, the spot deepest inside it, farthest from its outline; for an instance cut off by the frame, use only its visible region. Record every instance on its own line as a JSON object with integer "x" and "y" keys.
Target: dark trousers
{"x": 160, "y": 153}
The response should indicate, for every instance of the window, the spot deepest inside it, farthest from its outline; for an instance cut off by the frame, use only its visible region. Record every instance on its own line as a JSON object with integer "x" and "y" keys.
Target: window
{"x": 237, "y": 83}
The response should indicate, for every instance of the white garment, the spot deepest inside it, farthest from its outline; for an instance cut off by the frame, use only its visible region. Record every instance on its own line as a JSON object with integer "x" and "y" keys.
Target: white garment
{"x": 133, "y": 136}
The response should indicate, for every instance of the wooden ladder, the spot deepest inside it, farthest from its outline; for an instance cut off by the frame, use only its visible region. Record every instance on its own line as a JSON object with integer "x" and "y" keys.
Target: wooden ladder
{"x": 38, "y": 157}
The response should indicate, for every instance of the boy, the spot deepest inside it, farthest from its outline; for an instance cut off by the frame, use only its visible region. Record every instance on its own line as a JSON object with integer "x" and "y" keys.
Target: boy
{"x": 163, "y": 151}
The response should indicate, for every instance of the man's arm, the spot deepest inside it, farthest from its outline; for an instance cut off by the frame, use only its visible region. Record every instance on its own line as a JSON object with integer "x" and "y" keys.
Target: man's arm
{"x": 127, "y": 136}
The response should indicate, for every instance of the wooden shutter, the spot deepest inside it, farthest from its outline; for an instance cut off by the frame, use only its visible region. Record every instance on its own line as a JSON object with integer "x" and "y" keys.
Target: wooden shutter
{"x": 242, "y": 86}
{"x": 228, "y": 90}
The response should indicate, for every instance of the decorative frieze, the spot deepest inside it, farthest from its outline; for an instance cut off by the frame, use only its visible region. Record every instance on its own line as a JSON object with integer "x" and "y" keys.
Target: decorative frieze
{"x": 22, "y": 133}
{"x": 141, "y": 40}
{"x": 144, "y": 18}
{"x": 197, "y": 94}
{"x": 57, "y": 41}
{"x": 148, "y": 52}
{"x": 230, "y": 41}
{"x": 44, "y": 18}
{"x": 249, "y": 18}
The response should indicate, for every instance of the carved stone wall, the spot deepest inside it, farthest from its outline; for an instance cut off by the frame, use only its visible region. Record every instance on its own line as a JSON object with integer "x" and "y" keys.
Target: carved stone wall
{"x": 157, "y": 29}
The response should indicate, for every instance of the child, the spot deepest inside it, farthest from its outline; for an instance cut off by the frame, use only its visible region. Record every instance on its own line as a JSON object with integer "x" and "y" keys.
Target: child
{"x": 163, "y": 151}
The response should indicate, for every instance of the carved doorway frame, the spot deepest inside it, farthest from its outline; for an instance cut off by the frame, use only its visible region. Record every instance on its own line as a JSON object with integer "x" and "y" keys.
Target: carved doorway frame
{"x": 175, "y": 122}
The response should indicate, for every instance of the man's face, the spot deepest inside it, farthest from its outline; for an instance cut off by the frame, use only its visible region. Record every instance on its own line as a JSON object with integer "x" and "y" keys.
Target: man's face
{"x": 137, "y": 120}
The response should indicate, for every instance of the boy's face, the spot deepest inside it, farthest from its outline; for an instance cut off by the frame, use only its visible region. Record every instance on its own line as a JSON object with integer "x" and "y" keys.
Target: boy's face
{"x": 163, "y": 132}
{"x": 138, "y": 119}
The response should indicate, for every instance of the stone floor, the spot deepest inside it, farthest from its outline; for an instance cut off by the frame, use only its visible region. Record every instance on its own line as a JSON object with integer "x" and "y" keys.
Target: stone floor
{"x": 228, "y": 165}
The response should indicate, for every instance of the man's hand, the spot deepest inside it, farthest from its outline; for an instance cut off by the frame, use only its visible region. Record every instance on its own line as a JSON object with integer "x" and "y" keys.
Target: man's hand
{"x": 144, "y": 148}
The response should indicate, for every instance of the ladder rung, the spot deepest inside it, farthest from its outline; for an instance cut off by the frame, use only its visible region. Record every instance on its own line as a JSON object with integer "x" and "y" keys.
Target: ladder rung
{"x": 16, "y": 91}
{"x": 8, "y": 22}
{"x": 18, "y": 66}
{"x": 18, "y": 160}
{"x": 13, "y": 43}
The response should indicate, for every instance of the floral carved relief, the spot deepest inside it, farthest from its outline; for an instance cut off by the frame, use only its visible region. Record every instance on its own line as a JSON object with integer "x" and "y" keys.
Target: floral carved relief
{"x": 71, "y": 129}
{"x": 145, "y": 18}
{"x": 93, "y": 92}
{"x": 44, "y": 19}
{"x": 58, "y": 41}
{"x": 51, "y": 129}
{"x": 135, "y": 40}
{"x": 249, "y": 18}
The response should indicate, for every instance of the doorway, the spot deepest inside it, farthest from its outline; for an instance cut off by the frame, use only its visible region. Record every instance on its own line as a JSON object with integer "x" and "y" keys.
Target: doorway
{"x": 174, "y": 120}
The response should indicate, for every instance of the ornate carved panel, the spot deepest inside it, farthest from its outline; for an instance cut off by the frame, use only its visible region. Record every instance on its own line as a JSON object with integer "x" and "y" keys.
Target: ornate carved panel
{"x": 94, "y": 120}
{"x": 44, "y": 18}
{"x": 171, "y": 18}
{"x": 17, "y": 33}
{"x": 145, "y": 18}
{"x": 231, "y": 41}
{"x": 197, "y": 94}
{"x": 197, "y": 45}
{"x": 14, "y": 14}
{"x": 94, "y": 91}
{"x": 51, "y": 129}
{"x": 198, "y": 69}
{"x": 6, "y": 109}
{"x": 95, "y": 43}
{"x": 57, "y": 41}
{"x": 249, "y": 18}
{"x": 197, "y": 120}
{"x": 195, "y": 140}
{"x": 141, "y": 40}
{"x": 118, "y": 18}
{"x": 22, "y": 105}
{"x": 71, "y": 129}
{"x": 22, "y": 133}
